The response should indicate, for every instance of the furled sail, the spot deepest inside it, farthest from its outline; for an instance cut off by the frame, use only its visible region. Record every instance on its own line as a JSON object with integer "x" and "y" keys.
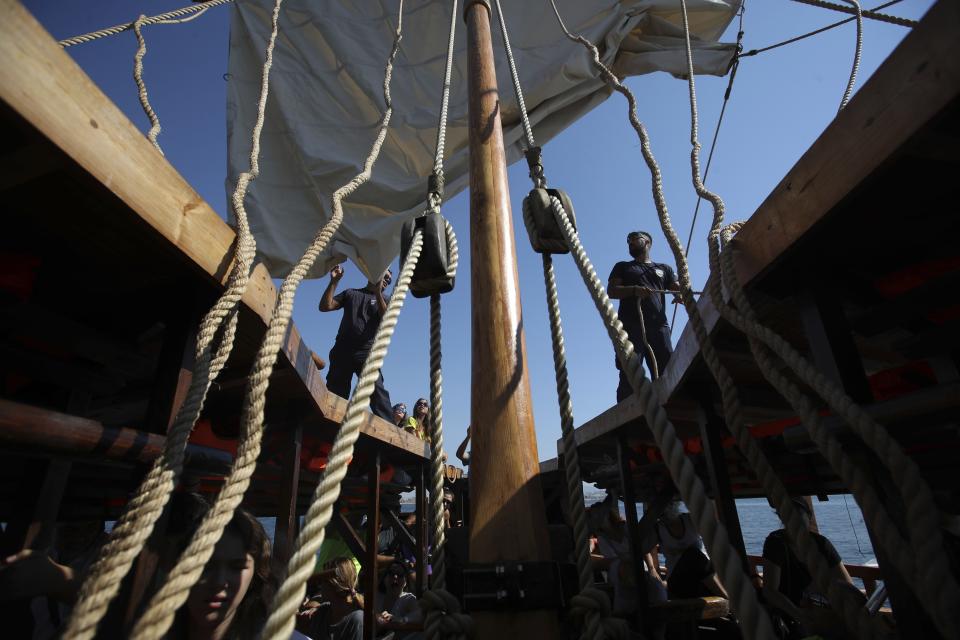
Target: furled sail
{"x": 326, "y": 102}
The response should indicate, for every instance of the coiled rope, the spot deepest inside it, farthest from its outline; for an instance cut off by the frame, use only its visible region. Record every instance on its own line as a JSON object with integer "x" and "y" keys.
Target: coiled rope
{"x": 135, "y": 525}
{"x": 593, "y": 604}
{"x": 163, "y": 606}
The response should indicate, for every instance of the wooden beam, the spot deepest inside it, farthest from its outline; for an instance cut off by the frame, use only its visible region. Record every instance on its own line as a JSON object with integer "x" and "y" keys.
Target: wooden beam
{"x": 48, "y": 90}
{"x": 350, "y": 536}
{"x": 633, "y": 533}
{"x": 507, "y": 521}
{"x": 422, "y": 528}
{"x": 287, "y": 519}
{"x": 174, "y": 370}
{"x": 370, "y": 560}
{"x": 711, "y": 426}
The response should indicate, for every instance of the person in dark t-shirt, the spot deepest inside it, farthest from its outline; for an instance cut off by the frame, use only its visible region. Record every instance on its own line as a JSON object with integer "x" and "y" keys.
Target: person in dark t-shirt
{"x": 362, "y": 311}
{"x": 639, "y": 284}
{"x": 787, "y": 584}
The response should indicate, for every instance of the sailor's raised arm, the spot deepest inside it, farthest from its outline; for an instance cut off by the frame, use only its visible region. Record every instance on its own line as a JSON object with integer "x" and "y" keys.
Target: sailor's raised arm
{"x": 328, "y": 302}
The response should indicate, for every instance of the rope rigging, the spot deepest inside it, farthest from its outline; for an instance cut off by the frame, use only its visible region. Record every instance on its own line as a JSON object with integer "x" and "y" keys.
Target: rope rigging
{"x": 922, "y": 512}
{"x": 136, "y": 523}
{"x": 194, "y": 11}
{"x": 443, "y": 617}
{"x": 753, "y": 52}
{"x": 756, "y": 622}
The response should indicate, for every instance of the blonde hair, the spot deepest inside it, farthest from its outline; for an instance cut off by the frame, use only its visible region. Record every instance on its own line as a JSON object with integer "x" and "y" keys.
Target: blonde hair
{"x": 342, "y": 576}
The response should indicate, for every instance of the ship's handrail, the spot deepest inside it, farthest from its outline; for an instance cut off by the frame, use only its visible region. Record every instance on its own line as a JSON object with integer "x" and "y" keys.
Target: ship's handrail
{"x": 868, "y": 573}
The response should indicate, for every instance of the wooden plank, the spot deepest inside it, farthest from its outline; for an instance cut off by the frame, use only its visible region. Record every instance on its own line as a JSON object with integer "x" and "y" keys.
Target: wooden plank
{"x": 41, "y": 83}
{"x": 910, "y": 88}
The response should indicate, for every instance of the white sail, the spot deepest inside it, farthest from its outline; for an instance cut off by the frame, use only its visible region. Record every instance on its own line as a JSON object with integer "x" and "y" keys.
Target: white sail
{"x": 326, "y": 102}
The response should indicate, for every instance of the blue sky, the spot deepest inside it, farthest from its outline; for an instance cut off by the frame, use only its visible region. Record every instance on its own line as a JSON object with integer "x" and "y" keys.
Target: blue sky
{"x": 782, "y": 100}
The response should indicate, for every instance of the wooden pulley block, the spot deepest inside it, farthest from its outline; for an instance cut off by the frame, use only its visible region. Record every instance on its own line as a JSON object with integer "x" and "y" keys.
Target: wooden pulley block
{"x": 542, "y": 227}
{"x": 430, "y": 276}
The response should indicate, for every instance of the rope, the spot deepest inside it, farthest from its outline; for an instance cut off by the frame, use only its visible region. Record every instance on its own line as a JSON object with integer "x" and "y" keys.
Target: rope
{"x": 854, "y": 615}
{"x": 301, "y": 565}
{"x": 734, "y": 66}
{"x": 434, "y": 198}
{"x": 142, "y": 87}
{"x": 136, "y": 523}
{"x": 756, "y": 624}
{"x": 815, "y": 32}
{"x": 443, "y": 619}
{"x": 163, "y": 18}
{"x": 525, "y": 120}
{"x": 163, "y": 606}
{"x": 856, "y": 56}
{"x": 872, "y": 14}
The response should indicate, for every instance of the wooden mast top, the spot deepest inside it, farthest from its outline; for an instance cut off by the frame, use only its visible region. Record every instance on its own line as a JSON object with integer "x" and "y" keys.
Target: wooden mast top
{"x": 507, "y": 520}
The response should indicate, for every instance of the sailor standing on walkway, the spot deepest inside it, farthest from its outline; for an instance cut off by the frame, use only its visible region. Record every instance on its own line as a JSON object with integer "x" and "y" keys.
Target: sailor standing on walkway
{"x": 639, "y": 285}
{"x": 362, "y": 311}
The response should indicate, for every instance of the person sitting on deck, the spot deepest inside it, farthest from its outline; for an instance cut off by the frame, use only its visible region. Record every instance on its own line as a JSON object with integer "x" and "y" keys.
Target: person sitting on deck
{"x": 639, "y": 285}
{"x": 394, "y": 604}
{"x": 788, "y": 586}
{"x": 690, "y": 573}
{"x": 362, "y": 311}
{"x": 334, "y": 610}
{"x": 613, "y": 555}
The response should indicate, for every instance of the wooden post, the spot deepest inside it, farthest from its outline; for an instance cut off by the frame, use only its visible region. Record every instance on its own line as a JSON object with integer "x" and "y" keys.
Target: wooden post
{"x": 370, "y": 561}
{"x": 710, "y": 427}
{"x": 174, "y": 370}
{"x": 633, "y": 530}
{"x": 507, "y": 515}
{"x": 287, "y": 520}
{"x": 422, "y": 529}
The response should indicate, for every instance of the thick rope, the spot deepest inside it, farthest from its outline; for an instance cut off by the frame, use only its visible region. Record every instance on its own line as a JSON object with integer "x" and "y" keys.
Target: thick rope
{"x": 872, "y": 14}
{"x": 443, "y": 619}
{"x": 160, "y": 613}
{"x": 444, "y": 104}
{"x": 856, "y": 56}
{"x": 593, "y": 606}
{"x": 163, "y": 18}
{"x": 289, "y": 596}
{"x": 756, "y": 623}
{"x": 525, "y": 120}
{"x": 854, "y": 614}
{"x": 135, "y": 525}
{"x": 141, "y": 85}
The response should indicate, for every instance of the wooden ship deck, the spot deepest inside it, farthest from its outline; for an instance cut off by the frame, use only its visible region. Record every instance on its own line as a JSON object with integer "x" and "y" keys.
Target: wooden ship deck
{"x": 853, "y": 258}
{"x": 108, "y": 261}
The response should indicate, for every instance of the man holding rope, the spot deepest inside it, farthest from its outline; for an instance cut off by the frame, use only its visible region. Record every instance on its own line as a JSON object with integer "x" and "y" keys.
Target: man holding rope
{"x": 640, "y": 286}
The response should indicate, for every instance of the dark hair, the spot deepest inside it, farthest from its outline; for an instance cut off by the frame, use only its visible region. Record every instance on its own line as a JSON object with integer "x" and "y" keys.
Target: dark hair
{"x": 186, "y": 513}
{"x": 637, "y": 234}
{"x": 382, "y": 585}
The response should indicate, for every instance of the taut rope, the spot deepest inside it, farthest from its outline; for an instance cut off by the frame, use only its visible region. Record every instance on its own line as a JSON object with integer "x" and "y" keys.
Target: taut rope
{"x": 164, "y": 18}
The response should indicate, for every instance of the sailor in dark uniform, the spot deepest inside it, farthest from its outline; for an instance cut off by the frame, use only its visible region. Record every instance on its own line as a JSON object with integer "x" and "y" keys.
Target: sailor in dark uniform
{"x": 362, "y": 311}
{"x": 639, "y": 285}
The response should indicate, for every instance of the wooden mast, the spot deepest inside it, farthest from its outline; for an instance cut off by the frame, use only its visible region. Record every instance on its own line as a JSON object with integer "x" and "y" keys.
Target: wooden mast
{"x": 508, "y": 520}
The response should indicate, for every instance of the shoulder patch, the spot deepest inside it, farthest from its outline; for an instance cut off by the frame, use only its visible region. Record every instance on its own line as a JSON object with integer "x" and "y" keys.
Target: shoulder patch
{"x": 659, "y": 272}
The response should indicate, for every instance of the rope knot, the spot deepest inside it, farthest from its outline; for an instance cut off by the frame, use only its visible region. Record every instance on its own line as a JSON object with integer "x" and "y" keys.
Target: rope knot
{"x": 443, "y": 616}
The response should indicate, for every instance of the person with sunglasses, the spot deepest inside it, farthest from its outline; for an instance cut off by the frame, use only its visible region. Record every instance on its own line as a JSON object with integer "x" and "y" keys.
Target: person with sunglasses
{"x": 396, "y": 607}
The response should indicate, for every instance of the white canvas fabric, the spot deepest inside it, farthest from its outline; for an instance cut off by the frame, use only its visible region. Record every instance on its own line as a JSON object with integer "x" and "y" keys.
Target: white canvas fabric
{"x": 326, "y": 102}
